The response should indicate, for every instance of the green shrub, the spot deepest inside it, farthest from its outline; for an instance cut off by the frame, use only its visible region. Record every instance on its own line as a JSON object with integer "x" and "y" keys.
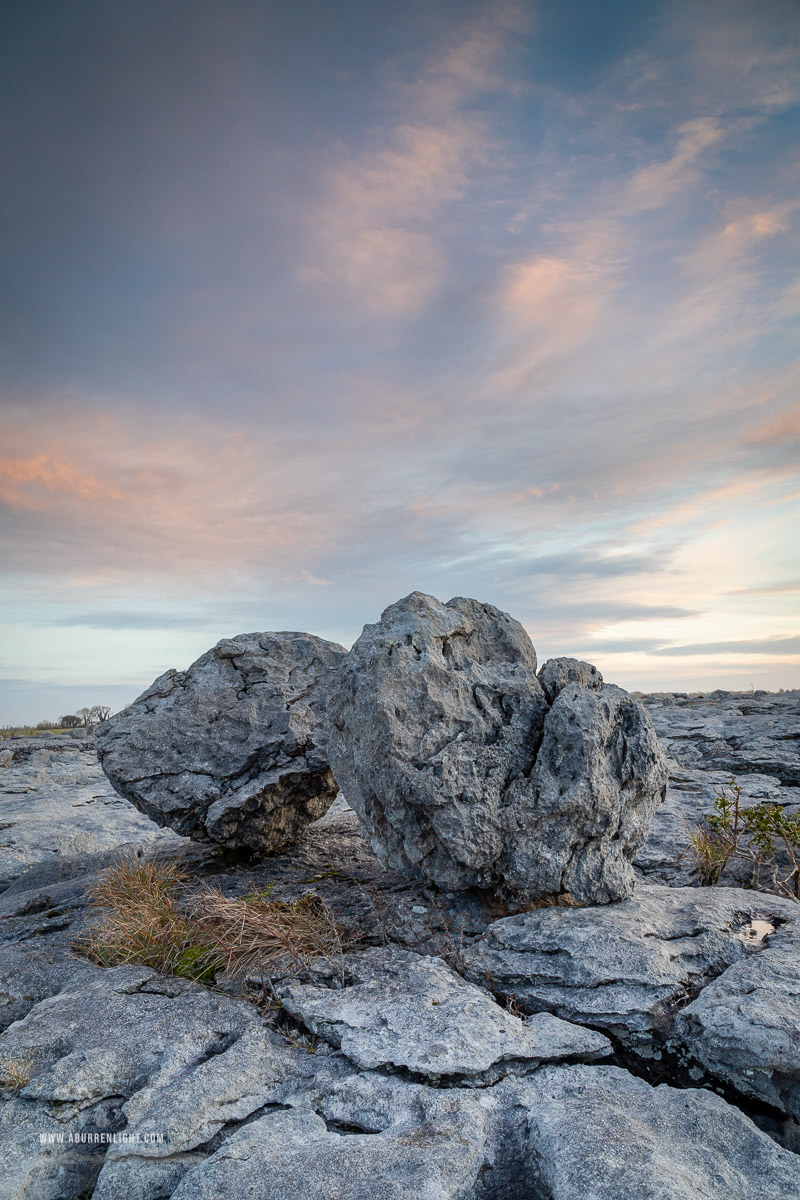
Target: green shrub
{"x": 764, "y": 836}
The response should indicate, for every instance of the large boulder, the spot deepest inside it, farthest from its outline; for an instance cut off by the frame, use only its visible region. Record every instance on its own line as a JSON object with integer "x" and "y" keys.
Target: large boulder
{"x": 234, "y": 750}
{"x": 467, "y": 772}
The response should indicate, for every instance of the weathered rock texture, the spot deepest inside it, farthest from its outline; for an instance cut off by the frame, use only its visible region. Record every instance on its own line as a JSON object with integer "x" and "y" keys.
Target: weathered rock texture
{"x": 55, "y": 800}
{"x": 749, "y": 738}
{"x": 707, "y": 979}
{"x": 400, "y": 1010}
{"x": 195, "y": 1093}
{"x": 601, "y": 1134}
{"x": 735, "y": 732}
{"x": 234, "y": 750}
{"x": 467, "y": 772}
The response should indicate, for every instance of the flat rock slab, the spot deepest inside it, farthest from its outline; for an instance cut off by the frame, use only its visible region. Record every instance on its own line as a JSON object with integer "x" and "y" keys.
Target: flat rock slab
{"x": 286, "y": 1154}
{"x": 745, "y": 1026}
{"x": 709, "y": 977}
{"x": 737, "y": 732}
{"x": 105, "y": 1037}
{"x": 400, "y": 1010}
{"x": 55, "y": 801}
{"x": 628, "y": 966}
{"x": 234, "y": 750}
{"x": 599, "y": 1133}
{"x": 127, "y": 1049}
{"x": 468, "y": 773}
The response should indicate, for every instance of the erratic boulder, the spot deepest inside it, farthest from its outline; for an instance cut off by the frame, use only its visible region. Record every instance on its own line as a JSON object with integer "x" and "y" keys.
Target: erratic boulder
{"x": 233, "y": 750}
{"x": 467, "y": 771}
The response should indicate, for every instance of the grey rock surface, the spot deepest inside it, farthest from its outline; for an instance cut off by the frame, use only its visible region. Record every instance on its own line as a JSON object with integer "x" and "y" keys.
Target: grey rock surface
{"x": 399, "y": 1010}
{"x": 233, "y": 750}
{"x": 87, "y": 1049}
{"x": 199, "y": 1093}
{"x": 699, "y": 983}
{"x": 282, "y": 1151}
{"x": 745, "y": 1026}
{"x": 601, "y": 1134}
{"x": 55, "y": 801}
{"x": 586, "y": 809}
{"x": 30, "y": 973}
{"x": 739, "y": 733}
{"x": 749, "y": 739}
{"x": 464, "y": 775}
{"x": 557, "y": 673}
{"x": 626, "y": 967}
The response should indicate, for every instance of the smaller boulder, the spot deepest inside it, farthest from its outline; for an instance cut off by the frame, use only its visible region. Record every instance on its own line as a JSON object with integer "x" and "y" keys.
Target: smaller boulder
{"x": 233, "y": 750}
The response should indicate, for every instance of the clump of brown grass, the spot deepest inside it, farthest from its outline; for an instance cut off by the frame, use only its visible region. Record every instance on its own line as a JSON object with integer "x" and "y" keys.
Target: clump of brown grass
{"x": 254, "y": 933}
{"x": 147, "y": 914}
{"x": 139, "y": 919}
{"x": 710, "y": 853}
{"x": 15, "y": 1074}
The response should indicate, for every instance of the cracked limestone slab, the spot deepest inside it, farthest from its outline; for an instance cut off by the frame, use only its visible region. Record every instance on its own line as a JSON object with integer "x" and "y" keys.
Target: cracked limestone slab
{"x": 600, "y": 1133}
{"x": 177, "y": 1119}
{"x": 745, "y": 1026}
{"x": 175, "y": 1062}
{"x": 737, "y": 732}
{"x": 31, "y": 972}
{"x": 56, "y": 802}
{"x": 108, "y": 1036}
{"x": 401, "y": 1010}
{"x": 625, "y": 967}
{"x": 38, "y": 1161}
{"x": 287, "y": 1153}
{"x": 233, "y": 750}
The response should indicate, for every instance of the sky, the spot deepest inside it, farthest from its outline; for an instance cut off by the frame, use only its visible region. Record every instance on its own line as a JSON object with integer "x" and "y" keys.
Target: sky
{"x": 306, "y": 306}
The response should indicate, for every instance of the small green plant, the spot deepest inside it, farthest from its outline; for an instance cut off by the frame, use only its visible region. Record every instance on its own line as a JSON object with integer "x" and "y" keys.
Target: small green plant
{"x": 14, "y": 1075}
{"x": 764, "y": 836}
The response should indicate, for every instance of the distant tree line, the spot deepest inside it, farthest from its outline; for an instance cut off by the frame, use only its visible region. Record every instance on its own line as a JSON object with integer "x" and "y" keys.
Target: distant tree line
{"x": 86, "y": 717}
{"x": 83, "y": 718}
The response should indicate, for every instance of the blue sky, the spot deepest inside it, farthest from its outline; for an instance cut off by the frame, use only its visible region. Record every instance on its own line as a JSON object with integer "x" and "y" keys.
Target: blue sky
{"x": 307, "y": 306}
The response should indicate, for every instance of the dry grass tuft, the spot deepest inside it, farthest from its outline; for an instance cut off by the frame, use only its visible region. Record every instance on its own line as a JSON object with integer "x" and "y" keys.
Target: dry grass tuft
{"x": 253, "y": 933}
{"x": 710, "y": 853}
{"x": 139, "y": 920}
{"x": 15, "y": 1074}
{"x": 146, "y": 914}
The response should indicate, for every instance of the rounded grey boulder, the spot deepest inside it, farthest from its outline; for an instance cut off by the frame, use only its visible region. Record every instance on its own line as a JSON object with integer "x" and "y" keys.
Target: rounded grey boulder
{"x": 233, "y": 750}
{"x": 465, "y": 773}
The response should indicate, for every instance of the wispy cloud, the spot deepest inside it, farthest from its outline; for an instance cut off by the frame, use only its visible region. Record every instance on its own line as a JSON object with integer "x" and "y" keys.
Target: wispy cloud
{"x": 381, "y": 226}
{"x": 778, "y": 645}
{"x": 657, "y": 184}
{"x": 790, "y": 587}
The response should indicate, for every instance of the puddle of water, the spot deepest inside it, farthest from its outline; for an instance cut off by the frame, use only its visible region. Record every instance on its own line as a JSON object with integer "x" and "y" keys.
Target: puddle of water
{"x": 756, "y": 931}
